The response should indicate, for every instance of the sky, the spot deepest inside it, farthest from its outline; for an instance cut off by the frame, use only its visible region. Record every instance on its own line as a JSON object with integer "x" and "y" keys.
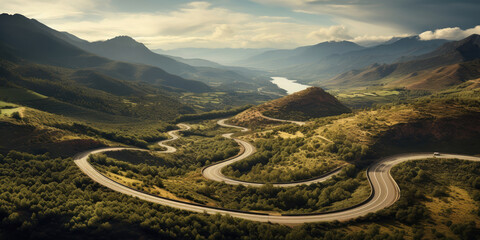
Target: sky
{"x": 253, "y": 23}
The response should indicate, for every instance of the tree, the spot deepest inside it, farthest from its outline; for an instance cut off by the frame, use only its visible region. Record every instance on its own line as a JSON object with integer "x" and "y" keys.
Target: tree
{"x": 16, "y": 115}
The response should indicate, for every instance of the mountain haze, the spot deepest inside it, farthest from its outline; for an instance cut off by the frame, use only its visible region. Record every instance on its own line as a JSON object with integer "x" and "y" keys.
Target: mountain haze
{"x": 224, "y": 56}
{"x": 126, "y": 49}
{"x": 451, "y": 64}
{"x": 316, "y": 72}
{"x": 278, "y": 59}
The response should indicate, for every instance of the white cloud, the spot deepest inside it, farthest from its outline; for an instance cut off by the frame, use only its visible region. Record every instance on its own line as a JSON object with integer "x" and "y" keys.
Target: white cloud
{"x": 392, "y": 16}
{"x": 454, "y": 33}
{"x": 196, "y": 24}
{"x": 367, "y": 40}
{"x": 223, "y": 31}
{"x": 193, "y": 20}
{"x": 274, "y": 18}
{"x": 340, "y": 32}
{"x": 334, "y": 33}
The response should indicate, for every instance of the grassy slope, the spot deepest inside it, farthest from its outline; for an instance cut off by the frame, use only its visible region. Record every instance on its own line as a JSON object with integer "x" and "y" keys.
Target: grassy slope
{"x": 37, "y": 131}
{"x": 438, "y": 78}
{"x": 447, "y": 121}
{"x": 85, "y": 93}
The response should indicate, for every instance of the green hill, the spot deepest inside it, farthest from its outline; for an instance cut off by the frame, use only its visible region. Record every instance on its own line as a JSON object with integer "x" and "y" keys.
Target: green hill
{"x": 312, "y": 102}
{"x": 85, "y": 94}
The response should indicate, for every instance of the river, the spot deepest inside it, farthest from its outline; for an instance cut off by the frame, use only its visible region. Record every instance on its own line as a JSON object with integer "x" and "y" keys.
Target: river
{"x": 291, "y": 86}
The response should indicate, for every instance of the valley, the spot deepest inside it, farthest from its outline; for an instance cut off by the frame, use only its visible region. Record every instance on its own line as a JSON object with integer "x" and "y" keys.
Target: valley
{"x": 122, "y": 138}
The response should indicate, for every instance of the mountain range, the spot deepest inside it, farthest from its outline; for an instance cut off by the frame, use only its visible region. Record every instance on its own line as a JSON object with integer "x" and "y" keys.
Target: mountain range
{"x": 124, "y": 74}
{"x": 124, "y": 48}
{"x": 224, "y": 56}
{"x": 119, "y": 76}
{"x": 327, "y": 67}
{"x": 80, "y": 84}
{"x": 450, "y": 64}
{"x": 317, "y": 63}
{"x": 32, "y": 41}
{"x": 283, "y": 58}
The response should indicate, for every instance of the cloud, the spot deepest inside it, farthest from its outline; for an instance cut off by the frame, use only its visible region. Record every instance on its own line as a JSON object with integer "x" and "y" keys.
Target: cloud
{"x": 332, "y": 33}
{"x": 194, "y": 20}
{"x": 199, "y": 5}
{"x": 370, "y": 40}
{"x": 213, "y": 24}
{"x": 340, "y": 32}
{"x": 454, "y": 33}
{"x": 404, "y": 15}
{"x": 223, "y": 31}
{"x": 197, "y": 24}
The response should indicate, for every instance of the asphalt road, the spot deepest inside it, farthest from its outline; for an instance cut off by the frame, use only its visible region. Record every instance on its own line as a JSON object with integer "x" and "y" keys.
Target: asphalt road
{"x": 300, "y": 123}
{"x": 174, "y": 136}
{"x": 214, "y": 172}
{"x": 283, "y": 120}
{"x": 385, "y": 190}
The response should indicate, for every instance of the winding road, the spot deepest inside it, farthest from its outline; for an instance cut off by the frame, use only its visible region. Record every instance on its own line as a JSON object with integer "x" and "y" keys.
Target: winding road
{"x": 385, "y": 190}
{"x": 282, "y": 120}
{"x": 214, "y": 172}
{"x": 174, "y": 136}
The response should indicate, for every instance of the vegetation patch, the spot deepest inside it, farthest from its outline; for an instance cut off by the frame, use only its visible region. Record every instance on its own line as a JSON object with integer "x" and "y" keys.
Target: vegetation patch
{"x": 19, "y": 94}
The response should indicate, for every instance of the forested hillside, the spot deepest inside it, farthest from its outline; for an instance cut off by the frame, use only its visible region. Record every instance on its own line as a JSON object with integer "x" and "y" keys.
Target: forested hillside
{"x": 66, "y": 88}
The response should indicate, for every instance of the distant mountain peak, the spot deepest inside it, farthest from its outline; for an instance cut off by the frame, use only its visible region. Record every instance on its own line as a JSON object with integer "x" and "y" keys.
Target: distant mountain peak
{"x": 335, "y": 42}
{"x": 15, "y": 18}
{"x": 474, "y": 38}
{"x": 465, "y": 50}
{"x": 123, "y": 40}
{"x": 16, "y": 15}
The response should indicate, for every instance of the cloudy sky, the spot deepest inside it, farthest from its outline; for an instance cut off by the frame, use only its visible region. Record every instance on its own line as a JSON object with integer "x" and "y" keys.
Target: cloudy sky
{"x": 253, "y": 23}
